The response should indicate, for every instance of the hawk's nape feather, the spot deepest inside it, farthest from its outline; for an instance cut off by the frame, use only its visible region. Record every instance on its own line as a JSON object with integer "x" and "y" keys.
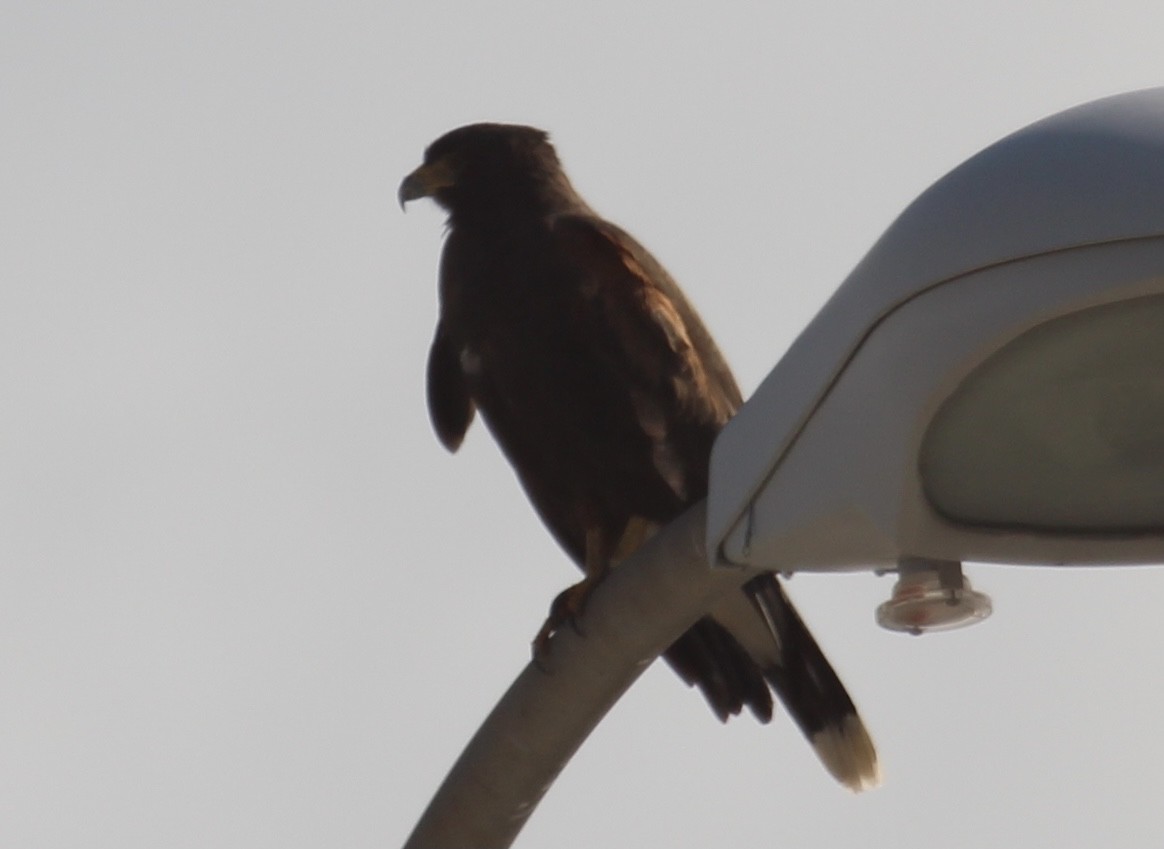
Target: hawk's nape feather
{"x": 605, "y": 392}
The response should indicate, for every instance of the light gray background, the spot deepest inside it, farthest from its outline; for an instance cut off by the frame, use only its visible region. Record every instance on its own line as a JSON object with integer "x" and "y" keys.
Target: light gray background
{"x": 246, "y": 600}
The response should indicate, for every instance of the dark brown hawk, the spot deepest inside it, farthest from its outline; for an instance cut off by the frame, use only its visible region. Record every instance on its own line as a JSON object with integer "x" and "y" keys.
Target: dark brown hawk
{"x": 605, "y": 392}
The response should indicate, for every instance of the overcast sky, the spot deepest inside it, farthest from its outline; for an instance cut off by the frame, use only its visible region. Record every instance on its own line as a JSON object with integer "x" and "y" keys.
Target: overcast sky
{"x": 247, "y": 600}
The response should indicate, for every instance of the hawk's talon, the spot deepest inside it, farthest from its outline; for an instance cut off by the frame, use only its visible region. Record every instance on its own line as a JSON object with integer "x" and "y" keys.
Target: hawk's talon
{"x": 539, "y": 655}
{"x": 567, "y": 607}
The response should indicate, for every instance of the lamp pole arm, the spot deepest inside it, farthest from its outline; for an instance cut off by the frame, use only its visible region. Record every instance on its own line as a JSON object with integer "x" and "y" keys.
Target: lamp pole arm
{"x": 642, "y": 607}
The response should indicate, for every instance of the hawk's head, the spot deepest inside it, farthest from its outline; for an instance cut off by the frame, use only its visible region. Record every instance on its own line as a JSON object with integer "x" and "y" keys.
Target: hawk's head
{"x": 489, "y": 170}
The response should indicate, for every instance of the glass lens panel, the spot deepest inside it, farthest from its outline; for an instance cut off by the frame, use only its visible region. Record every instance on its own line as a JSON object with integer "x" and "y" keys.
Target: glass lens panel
{"x": 1060, "y": 430}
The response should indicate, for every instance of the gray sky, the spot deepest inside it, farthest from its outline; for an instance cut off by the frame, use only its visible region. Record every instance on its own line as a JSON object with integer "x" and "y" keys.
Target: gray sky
{"x": 246, "y": 600}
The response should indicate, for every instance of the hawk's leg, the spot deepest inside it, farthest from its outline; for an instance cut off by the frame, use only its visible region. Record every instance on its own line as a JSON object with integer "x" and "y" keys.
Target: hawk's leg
{"x": 570, "y": 603}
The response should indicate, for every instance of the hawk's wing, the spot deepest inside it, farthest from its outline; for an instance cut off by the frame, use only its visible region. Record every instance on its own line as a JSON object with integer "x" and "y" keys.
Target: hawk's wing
{"x": 679, "y": 386}
{"x": 449, "y": 404}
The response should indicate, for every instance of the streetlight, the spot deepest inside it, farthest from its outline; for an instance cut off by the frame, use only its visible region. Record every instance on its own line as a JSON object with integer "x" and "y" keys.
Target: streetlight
{"x": 988, "y": 384}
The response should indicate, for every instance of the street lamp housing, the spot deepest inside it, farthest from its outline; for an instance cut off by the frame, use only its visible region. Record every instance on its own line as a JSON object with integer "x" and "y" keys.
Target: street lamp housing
{"x": 987, "y": 384}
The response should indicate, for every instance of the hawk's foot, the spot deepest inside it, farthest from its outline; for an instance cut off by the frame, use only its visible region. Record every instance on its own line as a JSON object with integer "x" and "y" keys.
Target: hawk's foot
{"x": 566, "y": 609}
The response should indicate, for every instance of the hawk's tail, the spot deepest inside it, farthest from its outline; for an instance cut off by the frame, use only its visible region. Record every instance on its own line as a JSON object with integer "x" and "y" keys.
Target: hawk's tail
{"x": 757, "y": 639}
{"x": 804, "y": 679}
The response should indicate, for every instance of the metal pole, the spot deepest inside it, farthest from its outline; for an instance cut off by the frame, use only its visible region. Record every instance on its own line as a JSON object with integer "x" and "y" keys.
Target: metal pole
{"x": 642, "y": 607}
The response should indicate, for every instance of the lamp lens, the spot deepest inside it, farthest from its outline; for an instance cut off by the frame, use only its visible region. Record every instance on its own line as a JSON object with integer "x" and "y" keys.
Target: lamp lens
{"x": 1060, "y": 430}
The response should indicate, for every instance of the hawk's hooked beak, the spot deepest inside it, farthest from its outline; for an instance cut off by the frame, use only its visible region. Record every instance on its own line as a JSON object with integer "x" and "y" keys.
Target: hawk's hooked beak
{"x": 425, "y": 181}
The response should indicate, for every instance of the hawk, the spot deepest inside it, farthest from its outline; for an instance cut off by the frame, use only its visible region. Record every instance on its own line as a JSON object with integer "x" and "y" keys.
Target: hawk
{"x": 605, "y": 392}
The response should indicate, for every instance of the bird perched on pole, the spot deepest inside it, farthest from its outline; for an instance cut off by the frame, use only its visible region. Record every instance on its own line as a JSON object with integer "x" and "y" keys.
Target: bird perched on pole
{"x": 605, "y": 392}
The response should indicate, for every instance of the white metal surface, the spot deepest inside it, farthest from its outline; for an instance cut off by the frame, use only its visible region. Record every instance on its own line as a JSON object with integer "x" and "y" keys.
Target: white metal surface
{"x": 819, "y": 469}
